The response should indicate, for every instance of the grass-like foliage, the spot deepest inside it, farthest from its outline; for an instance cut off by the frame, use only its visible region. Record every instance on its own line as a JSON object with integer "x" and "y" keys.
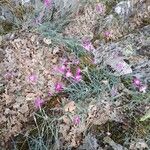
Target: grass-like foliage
{"x": 43, "y": 136}
{"x": 92, "y": 85}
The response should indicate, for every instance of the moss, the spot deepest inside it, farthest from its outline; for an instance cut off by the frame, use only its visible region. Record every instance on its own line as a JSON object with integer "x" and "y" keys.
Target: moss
{"x": 6, "y": 27}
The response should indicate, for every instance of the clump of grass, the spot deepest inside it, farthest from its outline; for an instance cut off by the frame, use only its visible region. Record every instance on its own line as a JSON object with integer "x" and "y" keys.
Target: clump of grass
{"x": 92, "y": 85}
{"x": 44, "y": 134}
{"x": 53, "y": 31}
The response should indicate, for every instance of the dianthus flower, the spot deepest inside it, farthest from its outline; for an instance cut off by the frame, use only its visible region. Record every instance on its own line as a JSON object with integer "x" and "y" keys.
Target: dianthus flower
{"x": 78, "y": 76}
{"x": 68, "y": 73}
{"x": 48, "y": 3}
{"x": 38, "y": 102}
{"x": 100, "y": 8}
{"x": 86, "y": 43}
{"x": 58, "y": 87}
{"x": 76, "y": 120}
{"x": 136, "y": 82}
{"x": 33, "y": 79}
{"x": 107, "y": 34}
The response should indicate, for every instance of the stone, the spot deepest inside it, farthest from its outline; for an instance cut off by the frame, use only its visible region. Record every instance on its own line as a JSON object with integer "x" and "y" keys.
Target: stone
{"x": 123, "y": 8}
{"x": 47, "y": 41}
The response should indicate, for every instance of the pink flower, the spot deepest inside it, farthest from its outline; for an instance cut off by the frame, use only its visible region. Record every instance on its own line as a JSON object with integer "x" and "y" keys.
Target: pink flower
{"x": 32, "y": 79}
{"x": 78, "y": 72}
{"x": 61, "y": 69}
{"x": 75, "y": 61}
{"x": 100, "y": 8}
{"x": 76, "y": 120}
{"x": 78, "y": 78}
{"x": 47, "y": 3}
{"x": 68, "y": 74}
{"x": 107, "y": 34}
{"x": 143, "y": 88}
{"x": 38, "y": 102}
{"x": 58, "y": 87}
{"x": 136, "y": 82}
{"x": 63, "y": 61}
{"x": 86, "y": 43}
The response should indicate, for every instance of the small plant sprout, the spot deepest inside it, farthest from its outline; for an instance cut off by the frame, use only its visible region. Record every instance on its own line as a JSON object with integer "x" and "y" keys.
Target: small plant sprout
{"x": 38, "y": 102}
{"x": 76, "y": 120}
{"x": 58, "y": 87}
{"x": 33, "y": 79}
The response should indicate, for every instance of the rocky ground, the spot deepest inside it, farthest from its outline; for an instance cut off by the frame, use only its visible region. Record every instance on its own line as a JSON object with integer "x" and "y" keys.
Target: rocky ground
{"x": 33, "y": 58}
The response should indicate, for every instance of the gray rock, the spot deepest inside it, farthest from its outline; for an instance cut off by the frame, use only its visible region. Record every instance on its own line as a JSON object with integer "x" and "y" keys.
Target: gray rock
{"x": 123, "y": 8}
{"x": 135, "y": 45}
{"x": 6, "y": 14}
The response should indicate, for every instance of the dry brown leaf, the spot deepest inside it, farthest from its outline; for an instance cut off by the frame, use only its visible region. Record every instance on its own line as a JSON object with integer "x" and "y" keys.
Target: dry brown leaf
{"x": 66, "y": 120}
{"x": 70, "y": 107}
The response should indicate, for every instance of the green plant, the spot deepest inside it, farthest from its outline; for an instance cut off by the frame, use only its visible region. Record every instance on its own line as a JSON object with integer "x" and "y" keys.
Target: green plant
{"x": 44, "y": 135}
{"x": 92, "y": 84}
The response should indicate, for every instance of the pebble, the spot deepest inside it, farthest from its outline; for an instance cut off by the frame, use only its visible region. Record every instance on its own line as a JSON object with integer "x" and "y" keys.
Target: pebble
{"x": 47, "y": 41}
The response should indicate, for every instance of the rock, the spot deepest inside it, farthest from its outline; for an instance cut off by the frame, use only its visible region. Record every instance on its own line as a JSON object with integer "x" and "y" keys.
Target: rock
{"x": 138, "y": 44}
{"x": 144, "y": 51}
{"x": 56, "y": 50}
{"x": 109, "y": 19}
{"x": 123, "y": 8}
{"x": 6, "y": 14}
{"x": 25, "y": 1}
{"x": 138, "y": 144}
{"x": 47, "y": 41}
